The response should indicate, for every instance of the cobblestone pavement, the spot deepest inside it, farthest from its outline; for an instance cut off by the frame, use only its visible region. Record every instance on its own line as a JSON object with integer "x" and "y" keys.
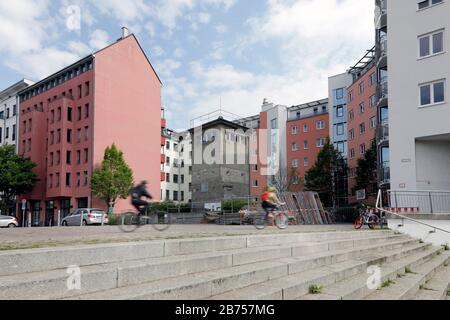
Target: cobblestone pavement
{"x": 22, "y": 238}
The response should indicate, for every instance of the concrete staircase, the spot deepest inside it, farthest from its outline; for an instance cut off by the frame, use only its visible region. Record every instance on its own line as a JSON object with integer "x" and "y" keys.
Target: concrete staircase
{"x": 269, "y": 266}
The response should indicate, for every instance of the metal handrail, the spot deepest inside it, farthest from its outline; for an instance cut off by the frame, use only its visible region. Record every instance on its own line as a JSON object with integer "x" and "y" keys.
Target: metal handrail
{"x": 379, "y": 207}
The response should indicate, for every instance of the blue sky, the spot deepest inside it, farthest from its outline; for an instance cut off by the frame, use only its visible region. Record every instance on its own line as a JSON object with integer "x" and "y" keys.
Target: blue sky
{"x": 205, "y": 51}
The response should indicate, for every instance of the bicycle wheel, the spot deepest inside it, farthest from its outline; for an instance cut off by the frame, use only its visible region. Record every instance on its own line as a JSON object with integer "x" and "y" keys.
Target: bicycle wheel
{"x": 160, "y": 220}
{"x": 129, "y": 222}
{"x": 373, "y": 221}
{"x": 282, "y": 221}
{"x": 358, "y": 223}
{"x": 259, "y": 221}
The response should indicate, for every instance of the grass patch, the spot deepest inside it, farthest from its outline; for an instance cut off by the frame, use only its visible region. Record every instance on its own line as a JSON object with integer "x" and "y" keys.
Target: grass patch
{"x": 387, "y": 283}
{"x": 448, "y": 293}
{"x": 315, "y": 289}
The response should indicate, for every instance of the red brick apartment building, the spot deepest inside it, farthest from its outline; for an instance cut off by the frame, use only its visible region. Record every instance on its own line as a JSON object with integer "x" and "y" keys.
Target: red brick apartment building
{"x": 362, "y": 121}
{"x": 68, "y": 119}
{"x": 307, "y": 131}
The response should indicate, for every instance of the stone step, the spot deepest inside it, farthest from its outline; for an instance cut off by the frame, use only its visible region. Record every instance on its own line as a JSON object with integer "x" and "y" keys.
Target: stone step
{"x": 355, "y": 288}
{"x": 220, "y": 281}
{"x": 298, "y": 281}
{"x": 35, "y": 260}
{"x": 53, "y": 284}
{"x": 408, "y": 284}
{"x": 437, "y": 288}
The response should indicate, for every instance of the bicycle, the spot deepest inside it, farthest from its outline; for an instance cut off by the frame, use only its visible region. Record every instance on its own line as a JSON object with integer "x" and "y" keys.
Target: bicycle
{"x": 281, "y": 219}
{"x": 366, "y": 216}
{"x": 159, "y": 220}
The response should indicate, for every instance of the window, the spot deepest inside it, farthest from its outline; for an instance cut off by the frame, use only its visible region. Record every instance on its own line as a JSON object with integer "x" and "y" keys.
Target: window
{"x": 30, "y": 125}
{"x": 362, "y": 108}
{"x": 273, "y": 124}
{"x": 432, "y": 93}
{"x": 175, "y": 178}
{"x": 14, "y": 133}
{"x": 255, "y": 183}
{"x": 52, "y": 155}
{"x": 340, "y": 129}
{"x": 79, "y": 113}
{"x": 7, "y": 113}
{"x": 58, "y": 157}
{"x": 294, "y": 130}
{"x": 373, "y": 122}
{"x": 69, "y": 114}
{"x": 58, "y": 136}
{"x": 69, "y": 136}
{"x": 339, "y": 94}
{"x": 85, "y": 178}
{"x": 361, "y": 87}
{"x": 78, "y": 179}
{"x": 14, "y": 110}
{"x": 320, "y": 142}
{"x": 295, "y": 180}
{"x": 86, "y": 111}
{"x": 341, "y": 147}
{"x": 431, "y": 44}
{"x": 340, "y": 111}
{"x": 351, "y": 115}
{"x": 182, "y": 195}
{"x": 167, "y": 145}
{"x": 182, "y": 178}
{"x": 78, "y": 135}
{"x": 58, "y": 115}
{"x": 86, "y": 86}
{"x": 320, "y": 125}
{"x": 427, "y": 3}
{"x": 373, "y": 101}
{"x": 305, "y": 144}
{"x": 79, "y": 157}
{"x": 168, "y": 161}
{"x": 86, "y": 133}
{"x": 362, "y": 149}
{"x": 7, "y": 133}
{"x": 306, "y": 162}
{"x": 352, "y": 153}
{"x": 351, "y": 134}
{"x": 204, "y": 187}
{"x": 68, "y": 178}
{"x": 294, "y": 146}
{"x": 52, "y": 116}
{"x": 255, "y": 167}
{"x": 305, "y": 128}
{"x": 69, "y": 157}
{"x": 86, "y": 155}
{"x": 79, "y": 92}
{"x": 295, "y": 163}
{"x": 372, "y": 79}
{"x": 57, "y": 180}
{"x": 167, "y": 177}
{"x": 362, "y": 128}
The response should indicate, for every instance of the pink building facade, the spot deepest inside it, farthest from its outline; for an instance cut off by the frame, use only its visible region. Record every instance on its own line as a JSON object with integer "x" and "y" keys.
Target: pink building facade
{"x": 68, "y": 119}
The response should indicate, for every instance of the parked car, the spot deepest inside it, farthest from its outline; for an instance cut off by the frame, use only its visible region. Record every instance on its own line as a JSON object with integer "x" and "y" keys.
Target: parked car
{"x": 90, "y": 217}
{"x": 8, "y": 222}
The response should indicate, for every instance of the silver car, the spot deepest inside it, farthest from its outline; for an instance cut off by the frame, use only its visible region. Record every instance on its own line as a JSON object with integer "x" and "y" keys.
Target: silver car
{"x": 85, "y": 217}
{"x": 8, "y": 222}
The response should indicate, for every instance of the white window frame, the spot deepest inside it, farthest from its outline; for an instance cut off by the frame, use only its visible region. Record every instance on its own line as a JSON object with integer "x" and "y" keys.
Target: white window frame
{"x": 321, "y": 126}
{"x": 320, "y": 143}
{"x": 340, "y": 125}
{"x": 294, "y": 146}
{"x": 430, "y": 4}
{"x": 305, "y": 145}
{"x": 305, "y": 128}
{"x": 295, "y": 163}
{"x": 432, "y": 102}
{"x": 306, "y": 162}
{"x": 294, "y": 130}
{"x": 431, "y": 44}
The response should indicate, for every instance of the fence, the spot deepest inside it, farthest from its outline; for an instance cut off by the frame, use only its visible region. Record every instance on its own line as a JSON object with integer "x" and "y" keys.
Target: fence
{"x": 419, "y": 201}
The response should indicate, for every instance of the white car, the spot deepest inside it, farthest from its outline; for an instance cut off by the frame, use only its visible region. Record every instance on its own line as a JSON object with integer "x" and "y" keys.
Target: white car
{"x": 90, "y": 217}
{"x": 8, "y": 222}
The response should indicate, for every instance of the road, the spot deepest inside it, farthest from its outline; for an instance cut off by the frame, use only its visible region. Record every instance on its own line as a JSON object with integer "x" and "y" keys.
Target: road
{"x": 24, "y": 238}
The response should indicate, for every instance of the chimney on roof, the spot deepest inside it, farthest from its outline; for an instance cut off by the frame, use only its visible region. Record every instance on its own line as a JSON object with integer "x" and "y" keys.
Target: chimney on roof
{"x": 125, "y": 32}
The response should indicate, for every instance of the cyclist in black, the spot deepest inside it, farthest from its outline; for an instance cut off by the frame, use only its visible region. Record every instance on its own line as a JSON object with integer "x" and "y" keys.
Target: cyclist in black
{"x": 136, "y": 196}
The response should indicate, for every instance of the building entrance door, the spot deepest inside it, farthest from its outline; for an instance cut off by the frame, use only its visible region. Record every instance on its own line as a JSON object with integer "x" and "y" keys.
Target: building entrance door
{"x": 50, "y": 214}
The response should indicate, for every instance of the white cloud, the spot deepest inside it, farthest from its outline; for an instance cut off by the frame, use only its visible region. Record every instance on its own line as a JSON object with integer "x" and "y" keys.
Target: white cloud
{"x": 179, "y": 53}
{"x": 157, "y": 51}
{"x": 127, "y": 11}
{"x": 221, "y": 28}
{"x": 99, "y": 39}
{"x": 166, "y": 67}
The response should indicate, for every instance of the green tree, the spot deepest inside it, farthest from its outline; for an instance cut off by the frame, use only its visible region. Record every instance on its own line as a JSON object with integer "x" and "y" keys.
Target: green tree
{"x": 113, "y": 178}
{"x": 326, "y": 173}
{"x": 366, "y": 170}
{"x": 16, "y": 176}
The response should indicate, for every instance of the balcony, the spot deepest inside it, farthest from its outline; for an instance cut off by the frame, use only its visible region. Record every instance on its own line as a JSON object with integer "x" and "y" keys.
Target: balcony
{"x": 381, "y": 14}
{"x": 163, "y": 141}
{"x": 384, "y": 173}
{"x": 163, "y": 123}
{"x": 382, "y": 53}
{"x": 383, "y": 133}
{"x": 163, "y": 177}
{"x": 383, "y": 92}
{"x": 163, "y": 159}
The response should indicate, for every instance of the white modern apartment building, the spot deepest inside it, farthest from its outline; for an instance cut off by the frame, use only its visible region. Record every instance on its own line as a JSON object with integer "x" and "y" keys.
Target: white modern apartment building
{"x": 419, "y": 93}
{"x": 9, "y": 112}
{"x": 177, "y": 168}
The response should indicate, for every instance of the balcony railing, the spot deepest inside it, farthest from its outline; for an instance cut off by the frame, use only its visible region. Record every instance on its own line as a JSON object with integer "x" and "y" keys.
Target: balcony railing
{"x": 384, "y": 173}
{"x": 383, "y": 88}
{"x": 383, "y": 132}
{"x": 380, "y": 13}
{"x": 421, "y": 201}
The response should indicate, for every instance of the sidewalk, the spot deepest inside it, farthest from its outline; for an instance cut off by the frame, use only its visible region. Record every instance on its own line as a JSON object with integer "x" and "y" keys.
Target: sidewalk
{"x": 26, "y": 238}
